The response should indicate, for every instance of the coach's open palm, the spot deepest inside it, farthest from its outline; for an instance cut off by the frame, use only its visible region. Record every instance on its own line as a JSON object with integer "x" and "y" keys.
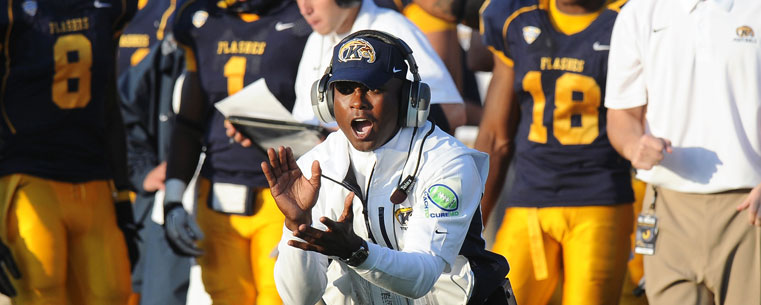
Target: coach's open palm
{"x": 294, "y": 194}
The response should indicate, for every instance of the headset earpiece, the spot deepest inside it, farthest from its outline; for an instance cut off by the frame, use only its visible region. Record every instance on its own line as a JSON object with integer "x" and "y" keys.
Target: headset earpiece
{"x": 322, "y": 98}
{"x": 415, "y": 95}
{"x": 422, "y": 105}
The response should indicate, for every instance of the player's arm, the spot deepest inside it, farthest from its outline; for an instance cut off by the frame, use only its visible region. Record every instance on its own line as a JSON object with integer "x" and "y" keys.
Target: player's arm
{"x": 184, "y": 151}
{"x": 117, "y": 139}
{"x": 456, "y": 11}
{"x": 478, "y": 56}
{"x": 185, "y": 141}
{"x": 626, "y": 98}
{"x": 136, "y": 92}
{"x": 497, "y": 131}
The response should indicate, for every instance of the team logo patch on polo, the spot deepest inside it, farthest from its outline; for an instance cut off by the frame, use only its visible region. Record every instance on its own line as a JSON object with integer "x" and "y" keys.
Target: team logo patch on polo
{"x": 443, "y": 197}
{"x": 199, "y": 18}
{"x": 530, "y": 33}
{"x": 745, "y": 34}
{"x": 356, "y": 49}
{"x": 29, "y": 7}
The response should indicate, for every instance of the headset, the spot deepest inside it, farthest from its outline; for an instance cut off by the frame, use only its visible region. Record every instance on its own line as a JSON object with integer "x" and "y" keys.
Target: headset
{"x": 413, "y": 112}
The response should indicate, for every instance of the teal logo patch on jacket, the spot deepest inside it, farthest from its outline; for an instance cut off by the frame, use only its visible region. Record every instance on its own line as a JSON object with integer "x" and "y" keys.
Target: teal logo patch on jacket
{"x": 443, "y": 197}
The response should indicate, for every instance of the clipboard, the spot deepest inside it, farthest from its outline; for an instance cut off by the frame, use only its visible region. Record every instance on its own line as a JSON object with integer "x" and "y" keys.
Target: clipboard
{"x": 268, "y": 133}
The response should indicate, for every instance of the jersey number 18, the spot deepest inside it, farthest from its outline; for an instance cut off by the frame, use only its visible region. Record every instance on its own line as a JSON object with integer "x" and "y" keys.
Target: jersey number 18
{"x": 566, "y": 106}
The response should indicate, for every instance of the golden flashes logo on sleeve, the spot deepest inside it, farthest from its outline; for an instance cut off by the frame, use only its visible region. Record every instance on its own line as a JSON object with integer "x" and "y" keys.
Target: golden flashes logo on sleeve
{"x": 356, "y": 49}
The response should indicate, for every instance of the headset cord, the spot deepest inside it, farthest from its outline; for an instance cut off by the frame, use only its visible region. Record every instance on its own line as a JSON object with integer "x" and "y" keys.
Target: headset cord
{"x": 420, "y": 153}
{"x": 409, "y": 151}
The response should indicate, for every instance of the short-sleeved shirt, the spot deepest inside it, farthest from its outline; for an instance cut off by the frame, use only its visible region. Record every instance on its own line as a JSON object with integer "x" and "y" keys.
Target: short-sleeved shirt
{"x": 57, "y": 72}
{"x": 151, "y": 22}
{"x": 319, "y": 49}
{"x": 562, "y": 153}
{"x": 230, "y": 51}
{"x": 697, "y": 67}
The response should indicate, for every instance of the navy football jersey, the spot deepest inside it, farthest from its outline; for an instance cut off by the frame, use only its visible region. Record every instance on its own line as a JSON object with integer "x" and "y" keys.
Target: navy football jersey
{"x": 57, "y": 70}
{"x": 230, "y": 51}
{"x": 562, "y": 153}
{"x": 152, "y": 20}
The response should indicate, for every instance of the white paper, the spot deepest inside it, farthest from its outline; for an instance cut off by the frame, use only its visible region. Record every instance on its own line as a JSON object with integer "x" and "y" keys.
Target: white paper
{"x": 255, "y": 101}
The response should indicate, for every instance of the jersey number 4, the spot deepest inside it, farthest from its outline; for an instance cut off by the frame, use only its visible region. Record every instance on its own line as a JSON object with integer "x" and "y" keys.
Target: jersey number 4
{"x": 577, "y": 102}
{"x": 71, "y": 83}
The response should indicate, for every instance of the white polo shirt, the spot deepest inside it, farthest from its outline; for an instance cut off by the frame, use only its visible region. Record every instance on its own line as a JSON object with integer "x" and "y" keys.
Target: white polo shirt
{"x": 319, "y": 50}
{"x": 696, "y": 64}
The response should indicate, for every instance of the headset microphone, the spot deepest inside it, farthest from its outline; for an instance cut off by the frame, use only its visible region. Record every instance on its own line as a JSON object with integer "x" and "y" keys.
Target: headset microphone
{"x": 400, "y": 192}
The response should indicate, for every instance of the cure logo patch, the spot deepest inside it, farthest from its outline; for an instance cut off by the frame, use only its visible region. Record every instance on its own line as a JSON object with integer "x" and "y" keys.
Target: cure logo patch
{"x": 356, "y": 49}
{"x": 443, "y": 197}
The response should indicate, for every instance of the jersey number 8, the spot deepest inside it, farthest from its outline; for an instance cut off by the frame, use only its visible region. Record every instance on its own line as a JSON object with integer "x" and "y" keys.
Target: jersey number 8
{"x": 71, "y": 83}
{"x": 566, "y": 106}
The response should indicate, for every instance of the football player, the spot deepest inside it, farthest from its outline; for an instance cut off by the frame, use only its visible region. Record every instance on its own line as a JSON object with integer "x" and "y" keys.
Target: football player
{"x": 228, "y": 45}
{"x": 148, "y": 64}
{"x": 151, "y": 23}
{"x": 569, "y": 209}
{"x": 62, "y": 143}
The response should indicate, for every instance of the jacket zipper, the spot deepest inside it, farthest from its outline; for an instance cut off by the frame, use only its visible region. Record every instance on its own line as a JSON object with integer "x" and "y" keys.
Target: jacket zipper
{"x": 381, "y": 217}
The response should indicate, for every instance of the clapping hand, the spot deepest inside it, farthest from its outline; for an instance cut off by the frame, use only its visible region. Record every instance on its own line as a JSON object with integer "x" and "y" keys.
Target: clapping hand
{"x": 294, "y": 194}
{"x": 338, "y": 240}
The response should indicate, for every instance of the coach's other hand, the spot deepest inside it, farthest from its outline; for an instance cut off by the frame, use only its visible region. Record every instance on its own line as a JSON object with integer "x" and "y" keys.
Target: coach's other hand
{"x": 181, "y": 231}
{"x": 294, "y": 194}
{"x": 338, "y": 240}
{"x": 6, "y": 258}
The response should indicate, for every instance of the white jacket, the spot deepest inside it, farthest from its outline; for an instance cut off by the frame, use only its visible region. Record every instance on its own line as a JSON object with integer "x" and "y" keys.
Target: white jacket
{"x": 412, "y": 242}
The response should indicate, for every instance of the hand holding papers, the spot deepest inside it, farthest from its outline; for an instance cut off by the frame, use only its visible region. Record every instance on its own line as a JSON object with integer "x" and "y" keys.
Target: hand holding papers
{"x": 258, "y": 115}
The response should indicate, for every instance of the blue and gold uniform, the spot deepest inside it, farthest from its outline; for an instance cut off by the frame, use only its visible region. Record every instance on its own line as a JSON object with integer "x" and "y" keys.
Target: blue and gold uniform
{"x": 568, "y": 209}
{"x": 58, "y": 89}
{"x": 151, "y": 22}
{"x": 227, "y": 49}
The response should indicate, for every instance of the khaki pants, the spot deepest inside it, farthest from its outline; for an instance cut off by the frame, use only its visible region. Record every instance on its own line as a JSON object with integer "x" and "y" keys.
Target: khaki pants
{"x": 707, "y": 252}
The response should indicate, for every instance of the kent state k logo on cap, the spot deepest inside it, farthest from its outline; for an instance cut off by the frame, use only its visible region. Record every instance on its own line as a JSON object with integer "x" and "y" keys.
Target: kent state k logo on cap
{"x": 367, "y": 60}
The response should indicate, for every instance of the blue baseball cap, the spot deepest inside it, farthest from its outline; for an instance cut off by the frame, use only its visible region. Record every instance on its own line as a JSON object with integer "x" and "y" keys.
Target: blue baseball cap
{"x": 367, "y": 60}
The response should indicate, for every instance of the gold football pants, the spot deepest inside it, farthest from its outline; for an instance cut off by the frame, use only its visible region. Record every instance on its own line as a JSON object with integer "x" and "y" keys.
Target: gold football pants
{"x": 590, "y": 244}
{"x": 64, "y": 238}
{"x": 238, "y": 262}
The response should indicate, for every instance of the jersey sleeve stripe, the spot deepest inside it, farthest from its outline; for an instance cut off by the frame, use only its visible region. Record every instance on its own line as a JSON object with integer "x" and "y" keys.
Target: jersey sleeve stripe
{"x": 6, "y": 49}
{"x": 509, "y": 62}
{"x": 515, "y": 15}
{"x": 481, "y": 19}
{"x": 165, "y": 19}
